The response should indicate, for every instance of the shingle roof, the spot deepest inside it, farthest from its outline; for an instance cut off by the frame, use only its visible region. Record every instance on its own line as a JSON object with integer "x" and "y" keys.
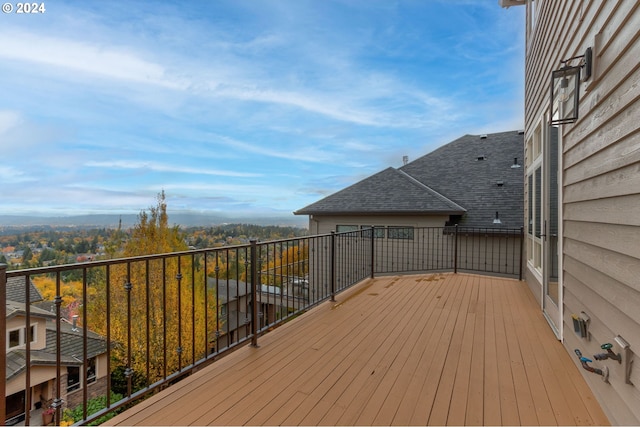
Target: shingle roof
{"x": 16, "y": 290}
{"x": 449, "y": 180}
{"x": 455, "y": 171}
{"x": 71, "y": 345}
{"x": 15, "y": 308}
{"x": 16, "y": 361}
{"x": 232, "y": 287}
{"x": 388, "y": 192}
{"x": 71, "y": 342}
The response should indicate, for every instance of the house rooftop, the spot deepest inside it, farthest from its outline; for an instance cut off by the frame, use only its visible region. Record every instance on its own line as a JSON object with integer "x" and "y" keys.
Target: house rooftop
{"x": 16, "y": 290}
{"x": 19, "y": 308}
{"x": 71, "y": 341}
{"x": 471, "y": 177}
{"x": 468, "y": 171}
{"x": 388, "y": 192}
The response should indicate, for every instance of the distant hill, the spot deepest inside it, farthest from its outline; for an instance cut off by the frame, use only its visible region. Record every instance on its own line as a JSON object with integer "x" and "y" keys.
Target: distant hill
{"x": 184, "y": 219}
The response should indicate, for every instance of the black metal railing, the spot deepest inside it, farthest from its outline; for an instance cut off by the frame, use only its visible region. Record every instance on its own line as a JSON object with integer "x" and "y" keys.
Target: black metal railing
{"x": 134, "y": 325}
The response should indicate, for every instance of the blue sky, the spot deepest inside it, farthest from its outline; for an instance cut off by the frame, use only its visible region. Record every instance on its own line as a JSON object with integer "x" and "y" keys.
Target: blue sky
{"x": 241, "y": 107}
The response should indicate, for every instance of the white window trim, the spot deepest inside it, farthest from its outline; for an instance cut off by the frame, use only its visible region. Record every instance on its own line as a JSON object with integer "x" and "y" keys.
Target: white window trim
{"x": 531, "y": 166}
{"x": 22, "y": 338}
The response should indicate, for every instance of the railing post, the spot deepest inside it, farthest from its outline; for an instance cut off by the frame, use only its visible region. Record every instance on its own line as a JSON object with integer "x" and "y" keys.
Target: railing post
{"x": 3, "y": 340}
{"x": 254, "y": 293}
{"x": 521, "y": 251}
{"x": 455, "y": 250}
{"x": 333, "y": 266}
{"x": 373, "y": 249}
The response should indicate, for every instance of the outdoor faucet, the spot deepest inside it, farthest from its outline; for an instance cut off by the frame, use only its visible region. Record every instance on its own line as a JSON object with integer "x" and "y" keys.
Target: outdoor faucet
{"x": 609, "y": 354}
{"x": 585, "y": 365}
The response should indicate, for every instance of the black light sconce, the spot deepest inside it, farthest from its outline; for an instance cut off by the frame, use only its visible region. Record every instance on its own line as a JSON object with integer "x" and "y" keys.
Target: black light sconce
{"x": 565, "y": 88}
{"x": 496, "y": 220}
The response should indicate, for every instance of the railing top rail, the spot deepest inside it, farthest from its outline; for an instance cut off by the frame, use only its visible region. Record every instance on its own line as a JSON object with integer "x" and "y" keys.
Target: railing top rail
{"x": 139, "y": 258}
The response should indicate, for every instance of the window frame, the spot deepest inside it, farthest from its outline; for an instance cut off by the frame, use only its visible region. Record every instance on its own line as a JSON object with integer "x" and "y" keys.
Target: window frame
{"x": 76, "y": 385}
{"x": 92, "y": 363}
{"x": 22, "y": 336}
{"x": 346, "y": 228}
{"x": 533, "y": 181}
{"x": 379, "y": 231}
{"x": 393, "y": 232}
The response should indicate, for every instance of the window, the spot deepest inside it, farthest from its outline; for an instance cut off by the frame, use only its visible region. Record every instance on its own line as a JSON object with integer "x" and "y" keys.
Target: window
{"x": 73, "y": 378}
{"x": 378, "y": 231}
{"x": 91, "y": 370}
{"x": 534, "y": 198}
{"x": 346, "y": 228}
{"x": 14, "y": 338}
{"x": 401, "y": 233}
{"x": 18, "y": 337}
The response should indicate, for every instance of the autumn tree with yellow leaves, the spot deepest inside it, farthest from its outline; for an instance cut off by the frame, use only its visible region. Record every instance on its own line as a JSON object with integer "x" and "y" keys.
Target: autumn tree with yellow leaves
{"x": 157, "y": 307}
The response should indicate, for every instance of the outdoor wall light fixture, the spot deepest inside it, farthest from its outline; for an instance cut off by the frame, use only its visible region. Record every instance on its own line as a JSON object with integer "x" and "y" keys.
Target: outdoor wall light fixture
{"x": 496, "y": 220}
{"x": 565, "y": 88}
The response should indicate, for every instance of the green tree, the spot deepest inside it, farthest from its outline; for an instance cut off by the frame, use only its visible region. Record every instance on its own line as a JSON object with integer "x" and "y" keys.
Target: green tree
{"x": 27, "y": 255}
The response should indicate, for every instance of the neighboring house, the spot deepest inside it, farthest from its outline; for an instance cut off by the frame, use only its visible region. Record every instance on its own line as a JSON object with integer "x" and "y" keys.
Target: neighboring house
{"x": 582, "y": 182}
{"x": 471, "y": 182}
{"x": 43, "y": 355}
{"x": 234, "y": 312}
{"x": 235, "y": 309}
{"x": 464, "y": 182}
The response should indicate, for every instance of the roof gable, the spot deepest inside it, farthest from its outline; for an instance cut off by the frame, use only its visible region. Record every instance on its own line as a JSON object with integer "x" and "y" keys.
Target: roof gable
{"x": 390, "y": 191}
{"x": 16, "y": 290}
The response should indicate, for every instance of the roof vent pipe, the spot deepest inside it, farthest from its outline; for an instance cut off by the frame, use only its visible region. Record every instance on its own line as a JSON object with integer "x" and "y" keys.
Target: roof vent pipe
{"x": 515, "y": 164}
{"x": 74, "y": 319}
{"x": 405, "y": 160}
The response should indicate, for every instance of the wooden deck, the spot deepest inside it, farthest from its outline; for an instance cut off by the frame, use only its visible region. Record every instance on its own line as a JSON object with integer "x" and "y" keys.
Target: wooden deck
{"x": 455, "y": 349}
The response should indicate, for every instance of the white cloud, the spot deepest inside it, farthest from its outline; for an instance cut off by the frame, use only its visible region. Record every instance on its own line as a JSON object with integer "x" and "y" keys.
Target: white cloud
{"x": 161, "y": 167}
{"x": 107, "y": 61}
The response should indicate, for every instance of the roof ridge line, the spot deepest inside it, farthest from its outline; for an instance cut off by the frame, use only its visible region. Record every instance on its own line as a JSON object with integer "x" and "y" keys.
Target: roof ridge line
{"x": 434, "y": 192}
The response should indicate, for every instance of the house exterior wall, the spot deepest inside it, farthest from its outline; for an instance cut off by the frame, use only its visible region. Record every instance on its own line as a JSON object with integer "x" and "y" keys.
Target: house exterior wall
{"x": 17, "y": 322}
{"x": 39, "y": 374}
{"x": 600, "y": 176}
{"x": 96, "y": 389}
{"x": 428, "y": 246}
{"x": 323, "y": 224}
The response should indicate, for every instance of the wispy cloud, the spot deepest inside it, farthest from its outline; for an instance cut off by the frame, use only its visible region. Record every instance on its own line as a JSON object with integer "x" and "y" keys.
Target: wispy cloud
{"x": 108, "y": 61}
{"x": 159, "y": 167}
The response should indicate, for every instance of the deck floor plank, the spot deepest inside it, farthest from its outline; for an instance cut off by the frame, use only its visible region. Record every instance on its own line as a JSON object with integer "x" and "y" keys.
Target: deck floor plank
{"x": 460, "y": 393}
{"x": 474, "y": 414}
{"x": 456, "y": 349}
{"x": 411, "y": 364}
{"x": 438, "y": 346}
{"x": 491, "y": 395}
{"x": 508, "y": 401}
{"x": 368, "y": 357}
{"x": 375, "y": 411}
{"x": 423, "y": 352}
{"x": 442, "y": 401}
{"x": 344, "y": 391}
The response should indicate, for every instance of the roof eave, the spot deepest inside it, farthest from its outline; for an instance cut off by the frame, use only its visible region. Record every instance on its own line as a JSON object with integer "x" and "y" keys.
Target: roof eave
{"x": 389, "y": 213}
